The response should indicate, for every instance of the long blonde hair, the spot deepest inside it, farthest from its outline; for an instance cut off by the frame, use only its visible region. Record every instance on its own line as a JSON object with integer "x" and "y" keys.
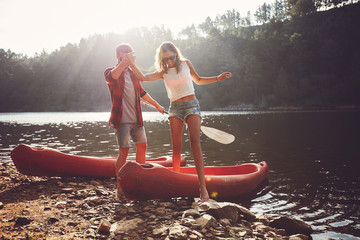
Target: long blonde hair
{"x": 165, "y": 47}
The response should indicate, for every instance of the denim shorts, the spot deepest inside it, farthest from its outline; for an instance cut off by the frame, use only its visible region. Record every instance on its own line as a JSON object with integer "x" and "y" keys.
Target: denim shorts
{"x": 127, "y": 130}
{"x": 184, "y": 109}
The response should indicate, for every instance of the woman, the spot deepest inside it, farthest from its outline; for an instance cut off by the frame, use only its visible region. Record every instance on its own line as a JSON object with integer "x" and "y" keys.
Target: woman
{"x": 178, "y": 74}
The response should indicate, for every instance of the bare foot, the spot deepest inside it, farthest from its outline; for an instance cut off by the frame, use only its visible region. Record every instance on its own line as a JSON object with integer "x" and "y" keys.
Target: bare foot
{"x": 204, "y": 195}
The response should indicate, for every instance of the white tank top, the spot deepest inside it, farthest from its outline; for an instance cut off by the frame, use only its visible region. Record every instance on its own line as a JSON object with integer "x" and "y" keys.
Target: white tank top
{"x": 180, "y": 84}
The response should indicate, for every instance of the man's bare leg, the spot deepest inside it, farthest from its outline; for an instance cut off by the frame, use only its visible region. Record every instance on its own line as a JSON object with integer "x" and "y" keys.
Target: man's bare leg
{"x": 123, "y": 153}
{"x": 141, "y": 152}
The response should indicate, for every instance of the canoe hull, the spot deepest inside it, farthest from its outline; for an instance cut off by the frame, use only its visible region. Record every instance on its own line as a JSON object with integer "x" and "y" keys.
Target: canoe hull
{"x": 49, "y": 162}
{"x": 152, "y": 181}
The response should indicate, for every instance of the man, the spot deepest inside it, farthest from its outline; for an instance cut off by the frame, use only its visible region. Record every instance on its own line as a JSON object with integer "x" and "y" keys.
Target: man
{"x": 126, "y": 115}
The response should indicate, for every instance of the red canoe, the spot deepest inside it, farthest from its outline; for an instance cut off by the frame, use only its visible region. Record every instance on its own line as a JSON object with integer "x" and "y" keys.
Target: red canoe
{"x": 152, "y": 181}
{"x": 49, "y": 162}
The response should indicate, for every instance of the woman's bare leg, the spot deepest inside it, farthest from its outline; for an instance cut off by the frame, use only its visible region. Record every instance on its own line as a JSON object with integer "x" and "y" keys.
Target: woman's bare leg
{"x": 194, "y": 123}
{"x": 176, "y": 128}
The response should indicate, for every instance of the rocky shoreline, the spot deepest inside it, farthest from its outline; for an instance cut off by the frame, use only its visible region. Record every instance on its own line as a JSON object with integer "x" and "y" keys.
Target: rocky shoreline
{"x": 86, "y": 208}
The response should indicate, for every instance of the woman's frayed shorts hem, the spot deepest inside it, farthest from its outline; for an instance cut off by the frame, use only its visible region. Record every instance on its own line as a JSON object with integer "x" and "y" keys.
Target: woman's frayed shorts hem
{"x": 182, "y": 110}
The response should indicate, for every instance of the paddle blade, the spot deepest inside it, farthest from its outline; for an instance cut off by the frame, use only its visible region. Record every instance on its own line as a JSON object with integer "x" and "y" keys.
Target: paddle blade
{"x": 218, "y": 135}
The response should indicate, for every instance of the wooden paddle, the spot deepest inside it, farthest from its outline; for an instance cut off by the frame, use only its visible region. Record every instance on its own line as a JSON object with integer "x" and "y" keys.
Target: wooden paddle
{"x": 212, "y": 133}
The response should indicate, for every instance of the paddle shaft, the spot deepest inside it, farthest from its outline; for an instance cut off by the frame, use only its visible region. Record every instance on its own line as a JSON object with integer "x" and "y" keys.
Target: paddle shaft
{"x": 213, "y": 133}
{"x": 151, "y": 106}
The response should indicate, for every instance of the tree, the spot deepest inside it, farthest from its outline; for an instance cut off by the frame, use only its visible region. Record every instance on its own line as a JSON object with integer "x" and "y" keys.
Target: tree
{"x": 300, "y": 8}
{"x": 263, "y": 13}
{"x": 247, "y": 20}
{"x": 278, "y": 10}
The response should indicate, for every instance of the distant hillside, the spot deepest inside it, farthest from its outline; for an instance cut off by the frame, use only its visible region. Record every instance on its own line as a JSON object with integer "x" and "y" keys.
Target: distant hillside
{"x": 310, "y": 61}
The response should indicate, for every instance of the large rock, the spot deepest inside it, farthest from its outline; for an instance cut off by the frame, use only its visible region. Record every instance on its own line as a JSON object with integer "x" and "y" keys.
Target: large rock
{"x": 94, "y": 201}
{"x": 291, "y": 225}
{"x": 23, "y": 220}
{"x": 104, "y": 226}
{"x": 126, "y": 225}
{"x": 206, "y": 221}
{"x": 160, "y": 231}
{"x": 227, "y": 210}
{"x": 298, "y": 237}
{"x": 191, "y": 212}
{"x": 178, "y": 232}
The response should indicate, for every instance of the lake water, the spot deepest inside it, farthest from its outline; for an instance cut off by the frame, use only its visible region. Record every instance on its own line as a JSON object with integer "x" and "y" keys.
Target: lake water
{"x": 314, "y": 156}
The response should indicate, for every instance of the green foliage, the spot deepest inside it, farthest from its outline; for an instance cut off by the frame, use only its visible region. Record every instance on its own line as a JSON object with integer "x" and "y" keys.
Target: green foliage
{"x": 301, "y": 7}
{"x": 309, "y": 60}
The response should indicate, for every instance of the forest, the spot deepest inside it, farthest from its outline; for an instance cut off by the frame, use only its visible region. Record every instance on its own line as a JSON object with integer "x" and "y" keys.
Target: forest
{"x": 297, "y": 53}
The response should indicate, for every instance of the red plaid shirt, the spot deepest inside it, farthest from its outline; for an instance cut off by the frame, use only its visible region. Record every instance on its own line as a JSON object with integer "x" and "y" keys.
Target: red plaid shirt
{"x": 116, "y": 88}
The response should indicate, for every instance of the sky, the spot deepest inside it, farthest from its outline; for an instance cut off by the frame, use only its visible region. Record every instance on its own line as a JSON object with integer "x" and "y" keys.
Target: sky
{"x": 31, "y": 26}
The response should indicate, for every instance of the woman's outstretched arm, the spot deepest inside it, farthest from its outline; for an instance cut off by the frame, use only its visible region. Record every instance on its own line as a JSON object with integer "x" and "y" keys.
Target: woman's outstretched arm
{"x": 144, "y": 78}
{"x": 206, "y": 80}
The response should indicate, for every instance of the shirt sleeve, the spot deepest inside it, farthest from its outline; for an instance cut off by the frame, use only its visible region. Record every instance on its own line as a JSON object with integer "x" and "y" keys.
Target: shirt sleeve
{"x": 142, "y": 91}
{"x": 108, "y": 78}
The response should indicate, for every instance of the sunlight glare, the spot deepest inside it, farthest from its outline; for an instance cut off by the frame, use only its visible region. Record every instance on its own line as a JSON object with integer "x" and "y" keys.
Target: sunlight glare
{"x": 33, "y": 26}
{"x": 214, "y": 194}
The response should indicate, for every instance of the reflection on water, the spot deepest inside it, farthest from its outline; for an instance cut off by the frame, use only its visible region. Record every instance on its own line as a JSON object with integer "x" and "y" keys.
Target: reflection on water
{"x": 313, "y": 156}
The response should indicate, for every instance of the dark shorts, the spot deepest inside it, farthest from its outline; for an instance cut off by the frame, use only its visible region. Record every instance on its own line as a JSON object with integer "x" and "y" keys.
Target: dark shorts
{"x": 184, "y": 109}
